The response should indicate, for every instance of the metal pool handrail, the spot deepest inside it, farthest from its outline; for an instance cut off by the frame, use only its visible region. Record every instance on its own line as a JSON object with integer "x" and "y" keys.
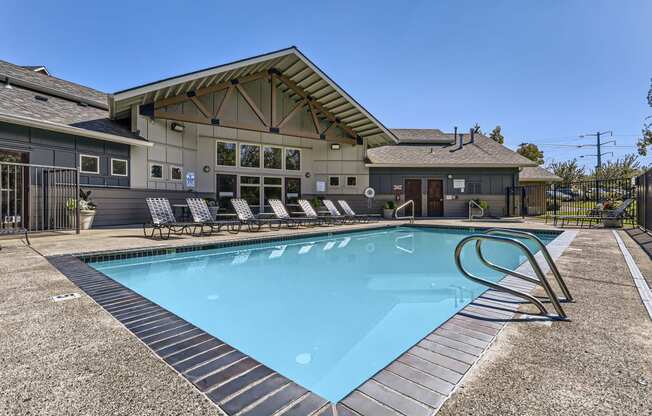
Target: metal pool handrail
{"x": 471, "y": 203}
{"x": 478, "y": 238}
{"x": 405, "y": 217}
{"x": 544, "y": 251}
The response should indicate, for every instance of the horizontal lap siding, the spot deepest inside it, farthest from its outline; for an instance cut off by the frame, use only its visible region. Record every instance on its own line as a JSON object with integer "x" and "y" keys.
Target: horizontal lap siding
{"x": 127, "y": 206}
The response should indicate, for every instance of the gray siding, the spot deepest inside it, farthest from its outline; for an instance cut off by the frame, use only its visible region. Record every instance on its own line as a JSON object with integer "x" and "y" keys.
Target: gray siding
{"x": 127, "y": 206}
{"x": 490, "y": 185}
{"x": 59, "y": 149}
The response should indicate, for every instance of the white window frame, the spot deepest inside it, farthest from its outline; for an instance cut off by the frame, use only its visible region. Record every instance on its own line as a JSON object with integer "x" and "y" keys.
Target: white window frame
{"x": 237, "y": 153}
{"x": 285, "y": 159}
{"x": 262, "y": 157}
{"x": 339, "y": 182}
{"x": 347, "y": 181}
{"x": 180, "y": 169}
{"x": 88, "y": 171}
{"x": 149, "y": 174}
{"x": 259, "y": 186}
{"x": 126, "y": 167}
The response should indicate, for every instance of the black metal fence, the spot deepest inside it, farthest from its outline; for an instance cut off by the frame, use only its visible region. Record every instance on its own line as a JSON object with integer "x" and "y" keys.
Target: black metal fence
{"x": 585, "y": 198}
{"x": 643, "y": 202}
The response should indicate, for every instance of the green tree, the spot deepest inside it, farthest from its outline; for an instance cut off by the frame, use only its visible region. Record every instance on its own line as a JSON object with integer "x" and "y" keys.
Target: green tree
{"x": 569, "y": 171}
{"x": 646, "y": 132}
{"x": 627, "y": 167}
{"x": 531, "y": 151}
{"x": 496, "y": 135}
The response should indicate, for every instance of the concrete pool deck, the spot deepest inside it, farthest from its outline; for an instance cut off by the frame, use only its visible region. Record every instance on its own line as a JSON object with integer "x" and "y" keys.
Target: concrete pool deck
{"x": 73, "y": 358}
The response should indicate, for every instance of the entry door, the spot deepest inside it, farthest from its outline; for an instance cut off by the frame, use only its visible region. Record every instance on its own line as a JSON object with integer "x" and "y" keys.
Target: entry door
{"x": 435, "y": 198}
{"x": 413, "y": 192}
{"x": 226, "y": 189}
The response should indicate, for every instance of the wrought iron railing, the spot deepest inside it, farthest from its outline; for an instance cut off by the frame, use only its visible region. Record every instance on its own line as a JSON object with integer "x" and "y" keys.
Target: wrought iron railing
{"x": 38, "y": 197}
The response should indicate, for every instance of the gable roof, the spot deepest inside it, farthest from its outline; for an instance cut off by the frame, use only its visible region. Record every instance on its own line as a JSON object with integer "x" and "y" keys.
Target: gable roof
{"x": 289, "y": 62}
{"x": 41, "y": 101}
{"x": 483, "y": 152}
{"x": 537, "y": 174}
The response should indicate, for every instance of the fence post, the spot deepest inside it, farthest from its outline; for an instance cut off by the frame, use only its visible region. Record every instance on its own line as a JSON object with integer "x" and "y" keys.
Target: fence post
{"x": 554, "y": 199}
{"x": 77, "y": 212}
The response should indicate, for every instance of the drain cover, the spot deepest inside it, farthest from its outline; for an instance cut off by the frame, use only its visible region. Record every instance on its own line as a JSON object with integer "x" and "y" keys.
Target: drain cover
{"x": 65, "y": 296}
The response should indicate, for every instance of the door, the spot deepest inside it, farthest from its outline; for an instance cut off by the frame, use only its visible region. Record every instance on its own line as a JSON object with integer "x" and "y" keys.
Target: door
{"x": 225, "y": 190}
{"x": 435, "y": 198}
{"x": 413, "y": 192}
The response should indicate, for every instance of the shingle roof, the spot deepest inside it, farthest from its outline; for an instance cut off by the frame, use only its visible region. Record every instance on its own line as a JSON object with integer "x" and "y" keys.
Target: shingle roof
{"x": 484, "y": 152}
{"x": 537, "y": 174}
{"x": 19, "y": 73}
{"x": 418, "y": 136}
{"x": 21, "y": 101}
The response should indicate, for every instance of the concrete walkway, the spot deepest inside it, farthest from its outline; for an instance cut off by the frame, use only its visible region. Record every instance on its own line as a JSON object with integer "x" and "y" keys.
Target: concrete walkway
{"x": 600, "y": 363}
{"x": 73, "y": 358}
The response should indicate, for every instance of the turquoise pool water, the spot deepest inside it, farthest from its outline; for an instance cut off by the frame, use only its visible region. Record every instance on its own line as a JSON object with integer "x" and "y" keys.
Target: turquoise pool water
{"x": 326, "y": 312}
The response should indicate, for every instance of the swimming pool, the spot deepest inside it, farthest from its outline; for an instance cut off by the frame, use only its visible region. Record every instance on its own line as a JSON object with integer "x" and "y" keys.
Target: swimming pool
{"x": 326, "y": 312}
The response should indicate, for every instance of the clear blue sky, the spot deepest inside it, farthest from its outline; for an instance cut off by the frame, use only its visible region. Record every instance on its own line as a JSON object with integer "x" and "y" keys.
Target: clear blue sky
{"x": 546, "y": 71}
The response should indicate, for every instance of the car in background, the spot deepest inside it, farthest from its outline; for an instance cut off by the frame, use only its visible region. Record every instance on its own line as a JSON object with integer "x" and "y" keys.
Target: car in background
{"x": 561, "y": 196}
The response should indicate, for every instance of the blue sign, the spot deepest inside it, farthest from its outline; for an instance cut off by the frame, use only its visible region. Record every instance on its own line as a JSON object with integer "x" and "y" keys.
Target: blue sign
{"x": 190, "y": 179}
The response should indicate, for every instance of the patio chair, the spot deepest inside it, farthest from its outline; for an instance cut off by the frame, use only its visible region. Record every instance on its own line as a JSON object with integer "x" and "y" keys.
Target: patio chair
{"x": 312, "y": 215}
{"x": 283, "y": 216}
{"x": 163, "y": 219}
{"x": 360, "y": 217}
{"x": 596, "y": 215}
{"x": 247, "y": 217}
{"x": 335, "y": 213}
{"x": 202, "y": 216}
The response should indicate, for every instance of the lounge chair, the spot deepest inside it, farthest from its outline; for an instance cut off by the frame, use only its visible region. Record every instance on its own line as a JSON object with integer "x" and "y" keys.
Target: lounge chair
{"x": 360, "y": 217}
{"x": 163, "y": 219}
{"x": 202, "y": 216}
{"x": 246, "y": 217}
{"x": 283, "y": 216}
{"x": 595, "y": 215}
{"x": 311, "y": 214}
{"x": 335, "y": 213}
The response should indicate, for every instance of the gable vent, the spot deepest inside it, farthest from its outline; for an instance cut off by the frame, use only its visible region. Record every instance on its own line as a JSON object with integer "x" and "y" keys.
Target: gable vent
{"x": 41, "y": 98}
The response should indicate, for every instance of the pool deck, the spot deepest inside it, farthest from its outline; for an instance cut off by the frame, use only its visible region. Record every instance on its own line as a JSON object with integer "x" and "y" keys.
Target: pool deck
{"x": 72, "y": 357}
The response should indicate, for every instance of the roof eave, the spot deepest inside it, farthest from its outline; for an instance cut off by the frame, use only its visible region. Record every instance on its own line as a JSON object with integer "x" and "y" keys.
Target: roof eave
{"x": 443, "y": 165}
{"x": 64, "y": 128}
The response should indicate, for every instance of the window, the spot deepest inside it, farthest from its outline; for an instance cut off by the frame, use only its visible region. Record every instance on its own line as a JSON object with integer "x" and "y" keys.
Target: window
{"x": 292, "y": 159}
{"x": 334, "y": 181}
{"x": 250, "y": 191}
{"x": 272, "y": 189}
{"x": 118, "y": 167}
{"x": 249, "y": 156}
{"x": 351, "y": 181}
{"x": 155, "y": 171}
{"x": 176, "y": 173}
{"x": 273, "y": 158}
{"x": 292, "y": 190}
{"x": 89, "y": 164}
{"x": 225, "y": 154}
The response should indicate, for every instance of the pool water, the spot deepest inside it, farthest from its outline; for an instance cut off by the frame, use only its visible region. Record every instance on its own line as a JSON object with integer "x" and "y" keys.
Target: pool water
{"x": 326, "y": 312}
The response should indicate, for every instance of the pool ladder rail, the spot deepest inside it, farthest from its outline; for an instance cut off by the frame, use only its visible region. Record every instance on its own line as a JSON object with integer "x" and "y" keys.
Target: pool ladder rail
{"x": 507, "y": 236}
{"x": 405, "y": 217}
{"x": 472, "y": 203}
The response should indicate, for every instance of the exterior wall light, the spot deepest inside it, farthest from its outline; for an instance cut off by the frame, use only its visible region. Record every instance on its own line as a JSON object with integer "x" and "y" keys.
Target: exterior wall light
{"x": 177, "y": 127}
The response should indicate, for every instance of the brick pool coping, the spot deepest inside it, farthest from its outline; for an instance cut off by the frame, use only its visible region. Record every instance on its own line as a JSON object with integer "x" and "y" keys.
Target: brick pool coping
{"x": 416, "y": 383}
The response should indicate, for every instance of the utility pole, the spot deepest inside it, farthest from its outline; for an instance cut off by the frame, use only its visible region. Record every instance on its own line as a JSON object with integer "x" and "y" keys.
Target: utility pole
{"x": 599, "y": 144}
{"x": 597, "y": 136}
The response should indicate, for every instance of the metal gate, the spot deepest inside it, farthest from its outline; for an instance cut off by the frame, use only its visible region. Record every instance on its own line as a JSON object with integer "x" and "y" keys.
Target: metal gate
{"x": 38, "y": 198}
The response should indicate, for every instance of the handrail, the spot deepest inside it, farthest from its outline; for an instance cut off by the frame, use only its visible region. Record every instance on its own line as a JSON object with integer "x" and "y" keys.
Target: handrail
{"x": 405, "y": 217}
{"x": 544, "y": 252}
{"x": 472, "y": 202}
{"x": 478, "y": 238}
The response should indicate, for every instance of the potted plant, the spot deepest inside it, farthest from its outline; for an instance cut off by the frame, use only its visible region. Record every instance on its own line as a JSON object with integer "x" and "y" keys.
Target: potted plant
{"x": 484, "y": 205}
{"x": 87, "y": 210}
{"x": 388, "y": 210}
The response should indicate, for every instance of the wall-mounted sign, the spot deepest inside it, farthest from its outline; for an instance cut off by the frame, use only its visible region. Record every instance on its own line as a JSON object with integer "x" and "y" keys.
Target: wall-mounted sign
{"x": 321, "y": 186}
{"x": 190, "y": 179}
{"x": 458, "y": 183}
